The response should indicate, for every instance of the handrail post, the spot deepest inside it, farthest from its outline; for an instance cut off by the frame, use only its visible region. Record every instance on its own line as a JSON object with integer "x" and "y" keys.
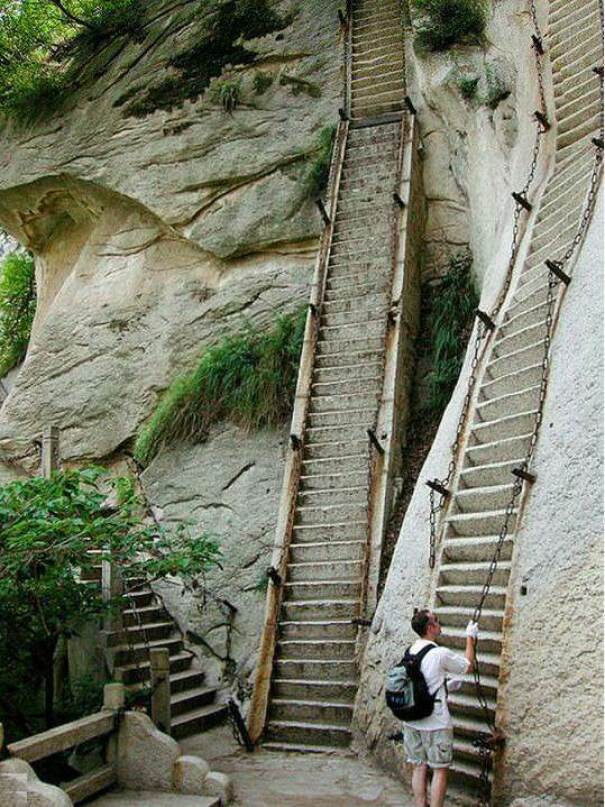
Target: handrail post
{"x": 111, "y": 590}
{"x": 50, "y": 452}
{"x": 160, "y": 688}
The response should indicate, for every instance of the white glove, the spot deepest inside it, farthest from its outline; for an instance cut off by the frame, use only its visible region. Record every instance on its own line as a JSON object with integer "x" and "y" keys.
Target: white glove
{"x": 472, "y": 630}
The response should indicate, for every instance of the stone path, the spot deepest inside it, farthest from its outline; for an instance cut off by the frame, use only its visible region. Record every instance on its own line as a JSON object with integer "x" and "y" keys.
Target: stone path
{"x": 274, "y": 779}
{"x": 148, "y": 799}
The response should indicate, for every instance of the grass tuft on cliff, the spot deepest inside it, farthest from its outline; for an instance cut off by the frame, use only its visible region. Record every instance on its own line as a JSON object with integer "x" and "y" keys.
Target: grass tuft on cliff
{"x": 248, "y": 378}
{"x": 316, "y": 178}
{"x": 453, "y": 309}
{"x": 440, "y": 24}
{"x": 17, "y": 308}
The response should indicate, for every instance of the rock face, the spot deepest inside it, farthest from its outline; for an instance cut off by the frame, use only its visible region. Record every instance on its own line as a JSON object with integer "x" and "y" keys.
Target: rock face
{"x": 231, "y": 486}
{"x": 155, "y": 235}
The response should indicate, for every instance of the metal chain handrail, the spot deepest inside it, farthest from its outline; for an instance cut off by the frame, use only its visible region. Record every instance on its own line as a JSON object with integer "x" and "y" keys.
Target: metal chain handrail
{"x": 439, "y": 488}
{"x": 486, "y": 743}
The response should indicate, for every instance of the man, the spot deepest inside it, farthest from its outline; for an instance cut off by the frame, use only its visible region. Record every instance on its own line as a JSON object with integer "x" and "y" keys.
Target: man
{"x": 430, "y": 741}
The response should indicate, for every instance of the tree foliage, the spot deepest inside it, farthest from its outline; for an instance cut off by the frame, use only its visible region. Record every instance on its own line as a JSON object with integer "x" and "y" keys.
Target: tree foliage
{"x": 439, "y": 24}
{"x": 17, "y": 308}
{"x": 36, "y": 37}
{"x": 48, "y": 528}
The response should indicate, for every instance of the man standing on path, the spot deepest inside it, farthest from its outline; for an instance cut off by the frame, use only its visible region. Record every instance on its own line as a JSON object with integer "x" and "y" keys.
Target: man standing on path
{"x": 430, "y": 741}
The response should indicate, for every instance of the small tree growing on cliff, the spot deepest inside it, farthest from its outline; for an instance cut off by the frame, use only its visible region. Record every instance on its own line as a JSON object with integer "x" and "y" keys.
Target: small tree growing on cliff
{"x": 48, "y": 528}
{"x": 17, "y": 308}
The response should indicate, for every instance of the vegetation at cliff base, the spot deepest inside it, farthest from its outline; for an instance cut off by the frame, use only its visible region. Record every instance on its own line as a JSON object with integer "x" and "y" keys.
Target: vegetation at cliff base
{"x": 453, "y": 306}
{"x": 17, "y": 308}
{"x": 440, "y": 24}
{"x": 48, "y": 528}
{"x": 248, "y": 378}
{"x": 37, "y": 39}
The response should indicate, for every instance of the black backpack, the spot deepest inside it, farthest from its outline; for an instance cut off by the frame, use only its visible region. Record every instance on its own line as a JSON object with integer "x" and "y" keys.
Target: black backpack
{"x": 407, "y": 694}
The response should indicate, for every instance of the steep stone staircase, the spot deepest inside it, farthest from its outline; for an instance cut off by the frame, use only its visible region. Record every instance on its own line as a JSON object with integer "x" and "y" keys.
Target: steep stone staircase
{"x": 146, "y": 625}
{"x": 509, "y": 392}
{"x": 314, "y": 675}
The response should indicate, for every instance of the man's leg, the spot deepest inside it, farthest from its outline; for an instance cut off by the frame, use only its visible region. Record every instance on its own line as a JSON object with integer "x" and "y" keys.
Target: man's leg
{"x": 419, "y": 785}
{"x": 438, "y": 787}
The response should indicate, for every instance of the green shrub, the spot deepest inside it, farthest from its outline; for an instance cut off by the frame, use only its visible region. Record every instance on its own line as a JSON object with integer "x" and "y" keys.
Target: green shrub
{"x": 249, "y": 378}
{"x": 453, "y": 309}
{"x": 262, "y": 81}
{"x": 468, "y": 86}
{"x": 497, "y": 88}
{"x": 442, "y": 23}
{"x": 17, "y": 308}
{"x": 316, "y": 178}
{"x": 38, "y": 65}
{"x": 224, "y": 28}
{"x": 227, "y": 92}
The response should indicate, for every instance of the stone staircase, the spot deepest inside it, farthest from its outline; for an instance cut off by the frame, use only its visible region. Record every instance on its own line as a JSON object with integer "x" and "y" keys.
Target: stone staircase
{"x": 509, "y": 391}
{"x": 147, "y": 625}
{"x": 314, "y": 678}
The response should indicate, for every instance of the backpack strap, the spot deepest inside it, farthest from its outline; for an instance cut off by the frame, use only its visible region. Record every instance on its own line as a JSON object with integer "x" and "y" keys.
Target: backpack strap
{"x": 422, "y": 653}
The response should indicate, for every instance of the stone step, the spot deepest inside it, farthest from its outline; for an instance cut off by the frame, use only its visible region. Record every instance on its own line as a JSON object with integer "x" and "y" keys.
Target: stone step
{"x": 467, "y": 753}
{"x": 337, "y": 451}
{"x": 498, "y": 451}
{"x": 356, "y": 285}
{"x": 330, "y": 570}
{"x": 342, "y": 253}
{"x": 382, "y": 89}
{"x": 327, "y": 551}
{"x": 341, "y": 403}
{"x": 133, "y": 634}
{"x": 354, "y": 463}
{"x": 513, "y": 323}
{"x": 481, "y": 499}
{"x": 198, "y": 720}
{"x": 487, "y": 523}
{"x": 489, "y": 685}
{"x": 460, "y": 573}
{"x": 377, "y": 301}
{"x": 468, "y": 726}
{"x": 139, "y": 671}
{"x": 331, "y": 514}
{"x": 458, "y": 617}
{"x": 315, "y": 589}
{"x": 346, "y": 430}
{"x": 525, "y": 299}
{"x": 318, "y": 629}
{"x": 466, "y": 777}
{"x": 188, "y": 679}
{"x": 367, "y": 38}
{"x": 191, "y": 699}
{"x": 317, "y": 649}
{"x": 129, "y": 654}
{"x": 513, "y": 403}
{"x": 502, "y": 428}
{"x": 341, "y": 691}
{"x": 323, "y": 712}
{"x": 361, "y": 112}
{"x": 468, "y": 705}
{"x": 342, "y": 531}
{"x": 335, "y": 481}
{"x": 369, "y": 77}
{"x": 582, "y": 94}
{"x": 475, "y": 549}
{"x": 373, "y": 134}
{"x": 496, "y": 473}
{"x": 468, "y": 596}
{"x": 139, "y": 599}
{"x": 342, "y": 381}
{"x": 357, "y": 348}
{"x": 333, "y": 671}
{"x": 526, "y": 377}
{"x": 311, "y": 734}
{"x": 517, "y": 360}
{"x": 508, "y": 343}
{"x": 321, "y": 609}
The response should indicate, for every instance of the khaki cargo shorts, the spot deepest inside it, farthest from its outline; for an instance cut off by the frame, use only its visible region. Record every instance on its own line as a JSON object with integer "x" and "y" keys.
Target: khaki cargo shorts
{"x": 434, "y": 748}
